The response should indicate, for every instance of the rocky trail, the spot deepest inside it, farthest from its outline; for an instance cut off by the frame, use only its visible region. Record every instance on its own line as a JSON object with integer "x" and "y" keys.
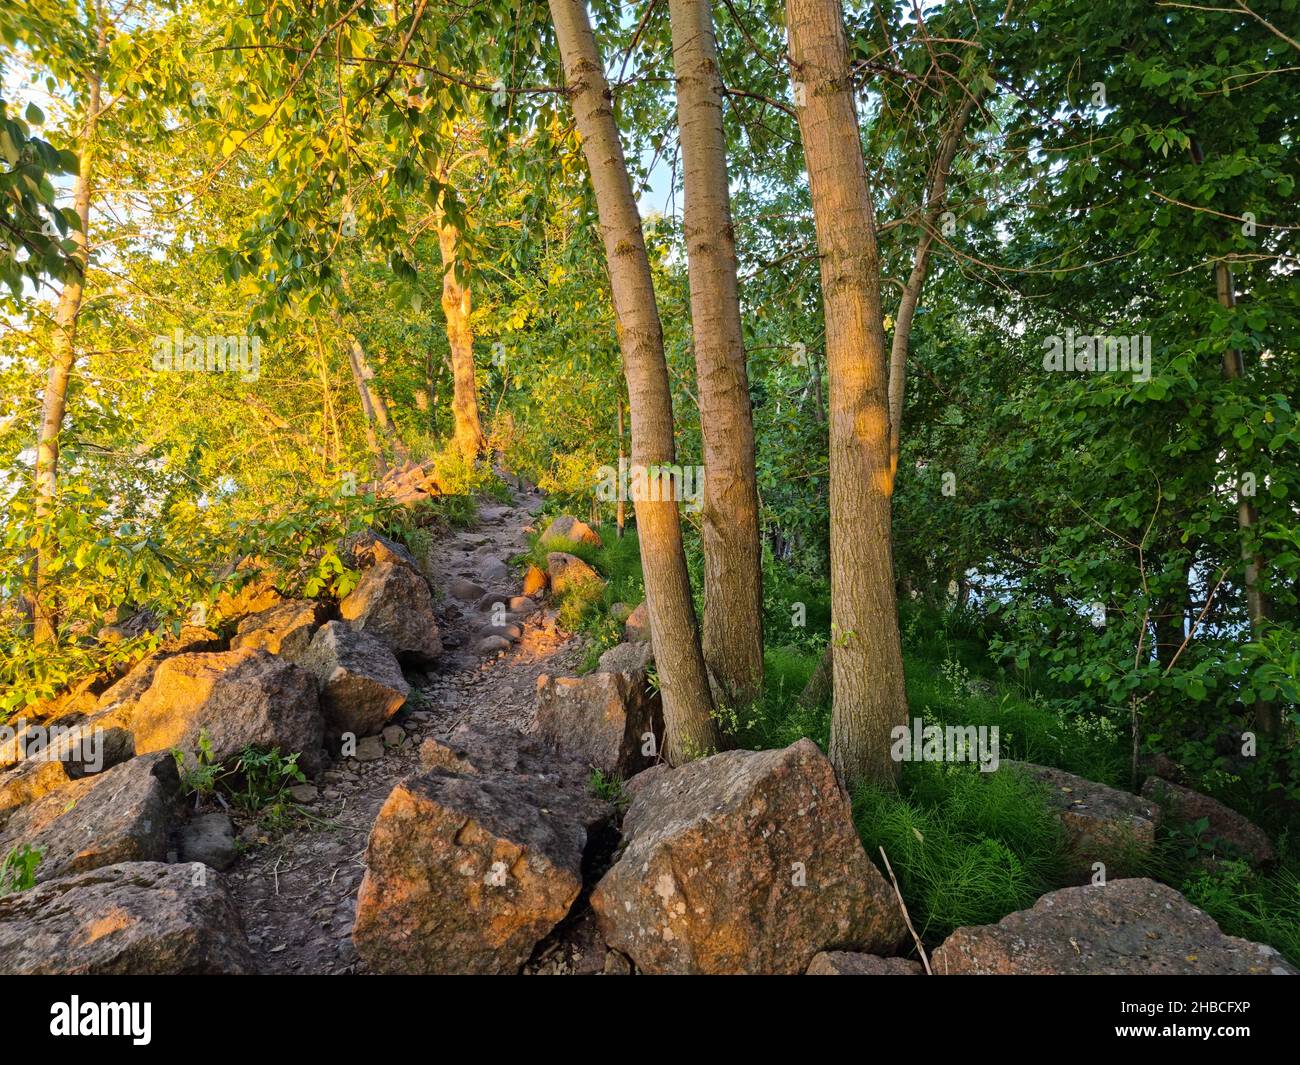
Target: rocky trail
{"x": 297, "y": 893}
{"x": 453, "y": 822}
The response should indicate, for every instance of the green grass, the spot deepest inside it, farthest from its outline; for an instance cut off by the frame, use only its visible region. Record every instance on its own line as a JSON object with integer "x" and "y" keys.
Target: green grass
{"x": 585, "y": 608}
{"x": 1260, "y": 907}
{"x": 967, "y": 847}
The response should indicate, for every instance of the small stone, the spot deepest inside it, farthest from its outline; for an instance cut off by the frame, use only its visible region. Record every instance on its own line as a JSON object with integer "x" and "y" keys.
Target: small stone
{"x": 568, "y": 571}
{"x": 637, "y": 627}
{"x": 394, "y": 736}
{"x": 209, "y": 839}
{"x": 369, "y": 748}
{"x": 303, "y": 793}
{"x": 465, "y": 590}
{"x": 534, "y": 582}
{"x": 568, "y": 529}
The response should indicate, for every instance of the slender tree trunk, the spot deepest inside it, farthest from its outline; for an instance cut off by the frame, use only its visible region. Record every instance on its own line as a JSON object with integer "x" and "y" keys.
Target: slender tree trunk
{"x": 1170, "y": 620}
{"x": 1267, "y": 715}
{"x": 467, "y": 432}
{"x": 620, "y": 509}
{"x": 378, "y": 405}
{"x": 688, "y": 704}
{"x": 733, "y": 580}
{"x": 45, "y": 604}
{"x": 869, "y": 696}
{"x": 367, "y": 409}
{"x": 934, "y": 203}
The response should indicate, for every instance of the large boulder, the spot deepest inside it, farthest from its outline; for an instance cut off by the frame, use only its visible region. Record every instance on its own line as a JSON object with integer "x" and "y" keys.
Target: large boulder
{"x": 566, "y": 572}
{"x": 1120, "y": 928}
{"x": 120, "y": 815}
{"x": 28, "y": 781}
{"x": 285, "y": 629}
{"x": 192, "y": 639}
{"x": 743, "y": 862}
{"x": 845, "y": 963}
{"x": 129, "y": 919}
{"x": 362, "y": 550}
{"x": 393, "y": 602}
{"x": 361, "y": 684}
{"x": 1226, "y": 830}
{"x": 567, "y": 529}
{"x": 91, "y": 733}
{"x": 465, "y": 873}
{"x": 253, "y": 589}
{"x": 626, "y": 657}
{"x": 474, "y": 860}
{"x": 238, "y": 698}
{"x": 612, "y": 721}
{"x": 1102, "y": 824}
{"x": 559, "y": 782}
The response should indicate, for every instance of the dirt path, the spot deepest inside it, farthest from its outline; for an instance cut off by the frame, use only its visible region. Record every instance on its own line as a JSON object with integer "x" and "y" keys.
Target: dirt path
{"x": 297, "y": 890}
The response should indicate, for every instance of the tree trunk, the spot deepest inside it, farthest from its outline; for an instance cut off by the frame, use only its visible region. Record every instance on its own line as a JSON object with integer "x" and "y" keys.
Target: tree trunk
{"x": 820, "y": 682}
{"x": 63, "y": 343}
{"x": 733, "y": 580}
{"x": 869, "y": 696}
{"x": 937, "y": 189}
{"x": 1268, "y": 716}
{"x": 1169, "y": 622}
{"x": 378, "y": 405}
{"x": 688, "y": 705}
{"x": 368, "y": 409}
{"x": 467, "y": 432}
{"x": 620, "y": 508}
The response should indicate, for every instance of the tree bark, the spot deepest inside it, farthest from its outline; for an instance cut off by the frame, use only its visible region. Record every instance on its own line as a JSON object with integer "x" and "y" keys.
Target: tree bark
{"x": 467, "y": 432}
{"x": 367, "y": 409}
{"x": 45, "y": 621}
{"x": 688, "y": 719}
{"x": 620, "y": 508}
{"x": 869, "y": 695}
{"x": 934, "y": 204}
{"x": 1268, "y": 716}
{"x": 378, "y": 405}
{"x": 733, "y": 581}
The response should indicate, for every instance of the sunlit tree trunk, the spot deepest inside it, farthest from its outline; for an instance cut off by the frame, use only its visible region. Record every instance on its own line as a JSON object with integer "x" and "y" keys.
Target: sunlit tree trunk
{"x": 689, "y": 725}
{"x": 63, "y": 357}
{"x": 869, "y": 697}
{"x": 733, "y": 583}
{"x": 467, "y": 431}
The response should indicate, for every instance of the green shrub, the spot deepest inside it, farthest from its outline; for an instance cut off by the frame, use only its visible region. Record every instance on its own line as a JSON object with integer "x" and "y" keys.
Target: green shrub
{"x": 967, "y": 847}
{"x": 1252, "y": 905}
{"x": 18, "y": 869}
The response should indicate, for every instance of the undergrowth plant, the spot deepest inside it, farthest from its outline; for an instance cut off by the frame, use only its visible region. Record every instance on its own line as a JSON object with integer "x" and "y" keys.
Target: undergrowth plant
{"x": 18, "y": 869}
